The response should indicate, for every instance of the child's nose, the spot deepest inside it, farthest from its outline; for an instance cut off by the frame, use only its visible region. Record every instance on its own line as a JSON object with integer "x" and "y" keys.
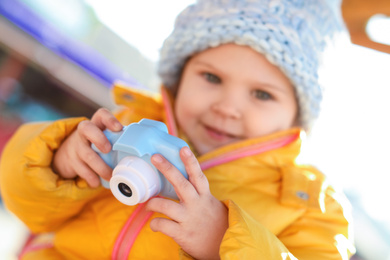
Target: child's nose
{"x": 227, "y": 107}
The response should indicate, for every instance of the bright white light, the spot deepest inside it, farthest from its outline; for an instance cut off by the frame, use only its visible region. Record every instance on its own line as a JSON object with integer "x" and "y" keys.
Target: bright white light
{"x": 351, "y": 139}
{"x": 12, "y": 236}
{"x": 378, "y": 29}
{"x": 144, "y": 24}
{"x": 71, "y": 20}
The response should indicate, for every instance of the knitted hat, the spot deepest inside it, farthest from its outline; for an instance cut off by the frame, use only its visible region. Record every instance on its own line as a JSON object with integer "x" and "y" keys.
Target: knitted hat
{"x": 290, "y": 33}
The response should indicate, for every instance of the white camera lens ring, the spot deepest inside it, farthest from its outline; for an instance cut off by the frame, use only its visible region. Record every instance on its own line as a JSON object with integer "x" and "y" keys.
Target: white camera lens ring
{"x": 134, "y": 181}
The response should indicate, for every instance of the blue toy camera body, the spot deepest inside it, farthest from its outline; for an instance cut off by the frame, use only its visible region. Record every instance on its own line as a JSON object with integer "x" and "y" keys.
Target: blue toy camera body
{"x": 135, "y": 179}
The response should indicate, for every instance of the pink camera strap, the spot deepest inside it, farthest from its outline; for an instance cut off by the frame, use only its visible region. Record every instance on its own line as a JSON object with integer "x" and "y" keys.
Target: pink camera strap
{"x": 249, "y": 151}
{"x": 172, "y": 129}
{"x": 36, "y": 243}
{"x": 130, "y": 231}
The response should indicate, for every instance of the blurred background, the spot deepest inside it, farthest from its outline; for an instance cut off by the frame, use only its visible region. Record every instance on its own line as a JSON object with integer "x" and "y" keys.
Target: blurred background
{"x": 60, "y": 58}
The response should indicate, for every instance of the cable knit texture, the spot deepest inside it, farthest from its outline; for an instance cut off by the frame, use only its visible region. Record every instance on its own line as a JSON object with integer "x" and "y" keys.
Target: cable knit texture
{"x": 292, "y": 34}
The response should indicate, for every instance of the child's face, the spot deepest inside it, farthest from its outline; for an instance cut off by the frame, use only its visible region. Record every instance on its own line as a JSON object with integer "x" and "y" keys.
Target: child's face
{"x": 231, "y": 93}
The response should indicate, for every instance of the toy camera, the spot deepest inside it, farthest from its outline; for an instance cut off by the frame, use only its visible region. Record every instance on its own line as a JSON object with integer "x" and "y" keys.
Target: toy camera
{"x": 135, "y": 179}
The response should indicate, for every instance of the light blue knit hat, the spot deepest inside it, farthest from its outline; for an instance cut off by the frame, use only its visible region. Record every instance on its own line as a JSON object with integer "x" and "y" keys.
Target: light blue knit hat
{"x": 292, "y": 34}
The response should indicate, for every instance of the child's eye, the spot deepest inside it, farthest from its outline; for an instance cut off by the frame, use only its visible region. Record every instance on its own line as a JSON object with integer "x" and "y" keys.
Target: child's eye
{"x": 262, "y": 95}
{"x": 212, "y": 78}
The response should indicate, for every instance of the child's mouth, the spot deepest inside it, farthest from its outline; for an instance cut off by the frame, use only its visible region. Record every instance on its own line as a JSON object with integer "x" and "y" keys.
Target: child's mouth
{"x": 218, "y": 135}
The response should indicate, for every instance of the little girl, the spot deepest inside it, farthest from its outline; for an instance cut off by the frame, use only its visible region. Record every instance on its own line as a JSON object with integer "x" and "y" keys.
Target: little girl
{"x": 240, "y": 86}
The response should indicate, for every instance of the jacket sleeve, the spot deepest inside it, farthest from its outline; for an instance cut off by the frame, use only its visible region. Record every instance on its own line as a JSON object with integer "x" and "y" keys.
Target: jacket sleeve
{"x": 248, "y": 239}
{"x": 316, "y": 235}
{"x": 29, "y": 187}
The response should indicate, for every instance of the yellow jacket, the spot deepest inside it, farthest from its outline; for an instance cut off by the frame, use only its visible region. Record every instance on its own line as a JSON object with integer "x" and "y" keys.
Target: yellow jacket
{"x": 277, "y": 209}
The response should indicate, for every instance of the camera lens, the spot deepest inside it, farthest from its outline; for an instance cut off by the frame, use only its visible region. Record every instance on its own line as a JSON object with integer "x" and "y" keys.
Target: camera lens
{"x": 125, "y": 189}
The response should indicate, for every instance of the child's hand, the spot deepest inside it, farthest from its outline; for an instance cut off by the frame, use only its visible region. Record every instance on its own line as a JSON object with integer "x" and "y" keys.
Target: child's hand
{"x": 199, "y": 221}
{"x": 75, "y": 156}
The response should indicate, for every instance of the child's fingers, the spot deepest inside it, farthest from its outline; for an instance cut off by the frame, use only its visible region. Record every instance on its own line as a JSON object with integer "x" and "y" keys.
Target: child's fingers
{"x": 103, "y": 119}
{"x": 86, "y": 173}
{"x": 195, "y": 173}
{"x": 183, "y": 188}
{"x": 89, "y": 132}
{"x": 165, "y": 226}
{"x": 167, "y": 207}
{"x": 96, "y": 163}
{"x": 84, "y": 162}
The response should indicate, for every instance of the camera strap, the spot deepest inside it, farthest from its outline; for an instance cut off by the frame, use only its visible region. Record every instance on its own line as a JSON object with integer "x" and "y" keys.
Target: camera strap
{"x": 130, "y": 231}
